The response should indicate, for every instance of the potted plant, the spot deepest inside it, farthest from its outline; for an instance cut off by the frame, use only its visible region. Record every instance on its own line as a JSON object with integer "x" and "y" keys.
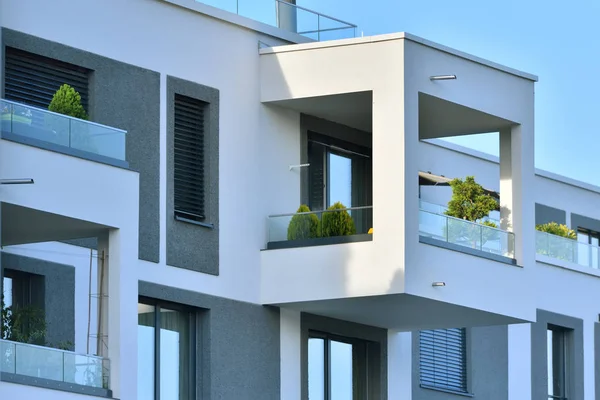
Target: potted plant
{"x": 303, "y": 226}
{"x": 336, "y": 221}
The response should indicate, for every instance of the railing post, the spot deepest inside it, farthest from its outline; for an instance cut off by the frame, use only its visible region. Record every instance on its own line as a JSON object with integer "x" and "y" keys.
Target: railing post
{"x": 63, "y": 366}
{"x": 318, "y": 27}
{"x": 70, "y": 132}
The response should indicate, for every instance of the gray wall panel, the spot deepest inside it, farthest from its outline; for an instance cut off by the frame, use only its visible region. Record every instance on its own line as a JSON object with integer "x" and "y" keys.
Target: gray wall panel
{"x": 126, "y": 97}
{"x": 238, "y": 348}
{"x": 189, "y": 245}
{"x": 487, "y": 366}
{"x": 539, "y": 354}
{"x": 545, "y": 214}
{"x": 59, "y": 293}
{"x": 581, "y": 221}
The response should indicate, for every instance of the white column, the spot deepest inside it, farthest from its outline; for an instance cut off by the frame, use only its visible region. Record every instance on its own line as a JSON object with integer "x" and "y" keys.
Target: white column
{"x": 400, "y": 365}
{"x": 517, "y": 173}
{"x": 519, "y": 361}
{"x": 290, "y": 354}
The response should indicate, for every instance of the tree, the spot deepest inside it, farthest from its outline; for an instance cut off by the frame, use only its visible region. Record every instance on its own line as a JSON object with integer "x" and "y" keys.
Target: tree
{"x": 303, "y": 226}
{"x": 557, "y": 229}
{"x": 469, "y": 200}
{"x": 67, "y": 101}
{"x": 336, "y": 221}
{"x": 560, "y": 241}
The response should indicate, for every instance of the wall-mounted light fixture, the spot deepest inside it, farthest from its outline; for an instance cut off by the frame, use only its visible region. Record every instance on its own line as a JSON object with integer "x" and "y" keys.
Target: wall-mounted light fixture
{"x": 442, "y": 77}
{"x": 438, "y": 284}
{"x": 16, "y": 181}
{"x": 299, "y": 166}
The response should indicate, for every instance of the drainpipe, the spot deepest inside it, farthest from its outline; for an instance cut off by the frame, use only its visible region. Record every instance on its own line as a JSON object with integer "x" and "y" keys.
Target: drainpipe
{"x": 287, "y": 15}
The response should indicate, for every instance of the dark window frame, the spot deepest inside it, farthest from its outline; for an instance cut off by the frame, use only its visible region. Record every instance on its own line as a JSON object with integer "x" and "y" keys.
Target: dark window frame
{"x": 192, "y": 343}
{"x": 456, "y": 347}
{"x": 189, "y": 159}
{"x": 561, "y": 366}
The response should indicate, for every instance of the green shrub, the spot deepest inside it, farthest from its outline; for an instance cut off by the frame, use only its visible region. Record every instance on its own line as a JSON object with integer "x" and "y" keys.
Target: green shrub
{"x": 303, "y": 226}
{"x": 337, "y": 223}
{"x": 67, "y": 101}
{"x": 557, "y": 229}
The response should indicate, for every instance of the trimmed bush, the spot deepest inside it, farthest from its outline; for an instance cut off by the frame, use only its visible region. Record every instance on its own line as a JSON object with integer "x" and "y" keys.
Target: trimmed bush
{"x": 303, "y": 226}
{"x": 67, "y": 101}
{"x": 557, "y": 229}
{"x": 337, "y": 223}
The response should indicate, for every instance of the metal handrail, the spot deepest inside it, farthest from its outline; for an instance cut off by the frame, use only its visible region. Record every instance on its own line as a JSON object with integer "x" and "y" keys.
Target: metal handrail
{"x": 62, "y": 115}
{"x": 350, "y": 25}
{"x": 321, "y": 211}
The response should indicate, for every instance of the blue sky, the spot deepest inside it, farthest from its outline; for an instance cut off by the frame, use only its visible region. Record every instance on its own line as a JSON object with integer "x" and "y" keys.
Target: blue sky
{"x": 557, "y": 41}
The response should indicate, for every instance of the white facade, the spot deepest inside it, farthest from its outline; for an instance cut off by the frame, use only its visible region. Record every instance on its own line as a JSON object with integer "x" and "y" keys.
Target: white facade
{"x": 385, "y": 282}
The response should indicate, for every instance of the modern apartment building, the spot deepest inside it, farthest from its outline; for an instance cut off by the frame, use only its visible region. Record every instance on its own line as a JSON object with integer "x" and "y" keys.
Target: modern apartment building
{"x": 153, "y": 244}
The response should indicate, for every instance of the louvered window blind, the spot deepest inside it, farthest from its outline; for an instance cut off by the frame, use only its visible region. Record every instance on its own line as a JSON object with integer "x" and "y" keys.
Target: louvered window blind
{"x": 189, "y": 157}
{"x": 33, "y": 79}
{"x": 443, "y": 359}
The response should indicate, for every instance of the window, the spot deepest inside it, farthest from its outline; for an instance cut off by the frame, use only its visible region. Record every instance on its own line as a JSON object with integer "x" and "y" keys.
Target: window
{"x": 33, "y": 79}
{"x": 189, "y": 158}
{"x": 338, "y": 368}
{"x": 443, "y": 359}
{"x": 558, "y": 354}
{"x": 588, "y": 247}
{"x": 166, "y": 351}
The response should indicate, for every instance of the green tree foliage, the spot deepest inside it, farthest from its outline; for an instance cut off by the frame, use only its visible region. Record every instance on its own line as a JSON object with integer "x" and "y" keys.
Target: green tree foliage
{"x": 303, "y": 226}
{"x": 23, "y": 324}
{"x": 469, "y": 200}
{"x": 67, "y": 101}
{"x": 337, "y": 221}
{"x": 557, "y": 229}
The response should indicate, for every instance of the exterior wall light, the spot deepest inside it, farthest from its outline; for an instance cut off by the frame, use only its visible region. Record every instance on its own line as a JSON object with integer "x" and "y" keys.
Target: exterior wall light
{"x": 438, "y": 284}
{"x": 442, "y": 77}
{"x": 16, "y": 181}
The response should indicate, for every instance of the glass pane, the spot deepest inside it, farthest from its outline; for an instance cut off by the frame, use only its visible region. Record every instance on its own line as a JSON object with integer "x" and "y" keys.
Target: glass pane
{"x": 316, "y": 369}
{"x": 7, "y": 357}
{"x": 556, "y": 363}
{"x": 174, "y": 355}
{"x": 341, "y": 371}
{"x": 7, "y": 291}
{"x": 97, "y": 139}
{"x": 146, "y": 361}
{"x": 39, "y": 362}
{"x": 83, "y": 370}
{"x": 340, "y": 180}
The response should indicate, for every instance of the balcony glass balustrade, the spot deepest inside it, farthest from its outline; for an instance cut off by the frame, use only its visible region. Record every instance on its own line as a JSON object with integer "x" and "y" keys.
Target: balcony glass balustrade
{"x": 53, "y": 364}
{"x": 566, "y": 249}
{"x": 34, "y": 125}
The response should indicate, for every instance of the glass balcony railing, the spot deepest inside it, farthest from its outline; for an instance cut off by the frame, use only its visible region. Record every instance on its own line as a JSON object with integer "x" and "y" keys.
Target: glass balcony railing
{"x": 42, "y": 125}
{"x": 465, "y": 233}
{"x": 53, "y": 364}
{"x": 565, "y": 249}
{"x": 288, "y": 16}
{"x": 439, "y": 209}
{"x": 320, "y": 224}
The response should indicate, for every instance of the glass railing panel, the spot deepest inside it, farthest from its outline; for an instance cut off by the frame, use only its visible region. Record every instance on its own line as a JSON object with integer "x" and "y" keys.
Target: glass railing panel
{"x": 7, "y": 357}
{"x": 566, "y": 249}
{"x": 320, "y": 224}
{"x": 465, "y": 233}
{"x": 334, "y": 29}
{"x": 39, "y": 362}
{"x": 43, "y": 125}
{"x": 54, "y": 364}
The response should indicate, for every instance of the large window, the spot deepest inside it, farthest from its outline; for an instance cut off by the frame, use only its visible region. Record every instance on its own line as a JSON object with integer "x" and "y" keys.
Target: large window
{"x": 189, "y": 158}
{"x": 558, "y": 366}
{"x": 443, "y": 359}
{"x": 166, "y": 351}
{"x": 589, "y": 247}
{"x": 338, "y": 368}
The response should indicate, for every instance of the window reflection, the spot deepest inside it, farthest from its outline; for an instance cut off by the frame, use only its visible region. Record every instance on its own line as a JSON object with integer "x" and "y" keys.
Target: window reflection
{"x": 174, "y": 355}
{"x": 146, "y": 337}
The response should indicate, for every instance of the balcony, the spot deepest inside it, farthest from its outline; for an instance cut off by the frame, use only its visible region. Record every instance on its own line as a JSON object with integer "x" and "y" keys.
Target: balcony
{"x": 457, "y": 234}
{"x": 48, "y": 367}
{"x": 317, "y": 228}
{"x": 45, "y": 129}
{"x": 290, "y": 17}
{"x": 565, "y": 249}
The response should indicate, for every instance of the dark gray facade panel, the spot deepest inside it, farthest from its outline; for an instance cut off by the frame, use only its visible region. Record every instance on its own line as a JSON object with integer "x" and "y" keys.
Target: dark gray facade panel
{"x": 59, "y": 294}
{"x": 192, "y": 246}
{"x": 335, "y": 130}
{"x": 581, "y": 221}
{"x": 55, "y": 385}
{"x": 539, "y": 354}
{"x": 597, "y": 359}
{"x": 487, "y": 366}
{"x": 126, "y": 97}
{"x": 545, "y": 214}
{"x": 237, "y": 348}
{"x": 310, "y": 322}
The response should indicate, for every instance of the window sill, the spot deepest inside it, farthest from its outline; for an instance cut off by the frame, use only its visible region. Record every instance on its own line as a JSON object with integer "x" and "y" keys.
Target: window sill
{"x": 450, "y": 391}
{"x": 191, "y": 221}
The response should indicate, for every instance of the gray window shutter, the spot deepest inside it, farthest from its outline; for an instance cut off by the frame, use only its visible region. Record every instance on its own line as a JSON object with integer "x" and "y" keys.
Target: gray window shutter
{"x": 189, "y": 157}
{"x": 33, "y": 79}
{"x": 443, "y": 359}
{"x": 316, "y": 176}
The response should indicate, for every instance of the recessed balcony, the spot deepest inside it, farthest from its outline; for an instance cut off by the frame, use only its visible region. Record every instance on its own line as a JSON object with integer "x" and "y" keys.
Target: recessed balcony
{"x": 48, "y": 130}
{"x": 567, "y": 250}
